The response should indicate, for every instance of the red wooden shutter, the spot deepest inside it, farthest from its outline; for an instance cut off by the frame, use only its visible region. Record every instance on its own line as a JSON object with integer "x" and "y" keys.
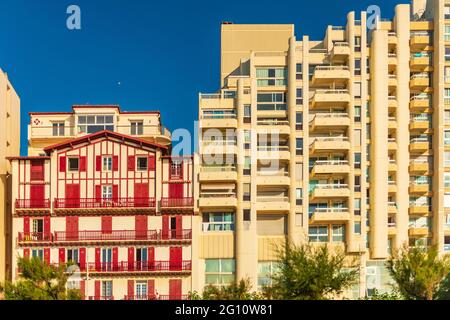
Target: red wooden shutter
{"x": 151, "y": 258}
{"x": 47, "y": 229}
{"x": 37, "y": 170}
{"x": 116, "y": 163}
{"x": 83, "y": 289}
{"x": 165, "y": 227}
{"x": 131, "y": 163}
{"x": 130, "y": 290}
{"x": 115, "y": 192}
{"x": 141, "y": 225}
{"x": 141, "y": 193}
{"x": 115, "y": 258}
{"x": 97, "y": 290}
{"x": 26, "y": 253}
{"x": 47, "y": 255}
{"x": 26, "y": 225}
{"x": 151, "y": 288}
{"x": 107, "y": 225}
{"x": 98, "y": 163}
{"x": 98, "y": 193}
{"x": 97, "y": 259}
{"x": 179, "y": 226}
{"x": 82, "y": 164}
{"x": 83, "y": 259}
{"x": 130, "y": 259}
{"x": 176, "y": 258}
{"x": 62, "y": 164}
{"x": 62, "y": 255}
{"x": 151, "y": 163}
{"x": 37, "y": 195}
{"x": 175, "y": 289}
{"x": 72, "y": 228}
{"x": 73, "y": 195}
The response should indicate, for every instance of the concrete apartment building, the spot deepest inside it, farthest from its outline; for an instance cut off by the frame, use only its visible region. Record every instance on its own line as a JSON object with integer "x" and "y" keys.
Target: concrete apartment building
{"x": 100, "y": 188}
{"x": 9, "y": 146}
{"x": 359, "y": 132}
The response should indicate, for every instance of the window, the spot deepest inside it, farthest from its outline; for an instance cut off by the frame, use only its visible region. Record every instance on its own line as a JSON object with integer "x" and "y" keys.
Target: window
{"x": 357, "y": 67}
{"x": 271, "y": 76}
{"x": 218, "y": 221}
{"x": 357, "y": 113}
{"x": 107, "y": 192}
{"x": 107, "y": 163}
{"x": 299, "y": 146}
{"x": 299, "y": 97}
{"x": 176, "y": 169}
{"x": 58, "y": 129}
{"x": 247, "y": 215}
{"x": 447, "y": 95}
{"x": 447, "y": 12}
{"x": 318, "y": 234}
{"x": 142, "y": 163}
{"x": 247, "y": 139}
{"x": 106, "y": 289}
{"x": 298, "y": 196}
{"x": 247, "y": 166}
{"x": 271, "y": 101}
{"x": 299, "y": 121}
{"x": 447, "y": 32}
{"x": 446, "y": 138}
{"x": 266, "y": 270}
{"x": 447, "y": 179}
{"x": 447, "y": 74}
{"x": 311, "y": 69}
{"x": 447, "y": 117}
{"x": 38, "y": 229}
{"x": 73, "y": 164}
{"x": 447, "y": 159}
{"x": 219, "y": 272}
{"x": 338, "y": 233}
{"x": 357, "y": 207}
{"x": 37, "y": 253}
{"x": 92, "y": 124}
{"x": 357, "y": 160}
{"x": 247, "y": 191}
{"x": 357, "y": 227}
{"x": 357, "y": 90}
{"x": 357, "y": 44}
{"x": 73, "y": 255}
{"x": 137, "y": 128}
{"x": 299, "y": 71}
{"x": 247, "y": 113}
{"x": 447, "y": 53}
{"x": 357, "y": 183}
{"x": 141, "y": 290}
{"x": 357, "y": 137}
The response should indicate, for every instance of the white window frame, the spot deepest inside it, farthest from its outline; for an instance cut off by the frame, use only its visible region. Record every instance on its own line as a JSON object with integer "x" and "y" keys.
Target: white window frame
{"x": 58, "y": 129}
{"x": 320, "y": 236}
{"x": 107, "y": 192}
{"x": 107, "y": 163}
{"x": 219, "y": 226}
{"x": 69, "y": 169}
{"x": 220, "y": 272}
{"x": 137, "y": 127}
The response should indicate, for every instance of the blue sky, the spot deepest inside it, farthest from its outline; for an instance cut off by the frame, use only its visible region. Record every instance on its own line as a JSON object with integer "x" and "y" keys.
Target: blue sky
{"x": 163, "y": 52}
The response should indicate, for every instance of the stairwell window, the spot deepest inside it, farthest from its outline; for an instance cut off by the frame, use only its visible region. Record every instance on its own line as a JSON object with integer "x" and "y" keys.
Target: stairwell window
{"x": 318, "y": 234}
{"x": 271, "y": 76}
{"x": 92, "y": 124}
{"x": 218, "y": 221}
{"x": 299, "y": 71}
{"x": 447, "y": 53}
{"x": 137, "y": 128}
{"x": 299, "y": 96}
{"x": 338, "y": 233}
{"x": 447, "y": 32}
{"x": 58, "y": 129}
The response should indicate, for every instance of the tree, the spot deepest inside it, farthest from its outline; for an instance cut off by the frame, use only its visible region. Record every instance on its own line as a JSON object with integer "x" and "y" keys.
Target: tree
{"x": 393, "y": 295}
{"x": 418, "y": 272}
{"x": 241, "y": 290}
{"x": 39, "y": 281}
{"x": 310, "y": 273}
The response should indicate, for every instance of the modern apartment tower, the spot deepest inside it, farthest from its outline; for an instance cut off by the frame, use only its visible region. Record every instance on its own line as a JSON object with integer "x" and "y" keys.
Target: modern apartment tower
{"x": 343, "y": 141}
{"x": 9, "y": 146}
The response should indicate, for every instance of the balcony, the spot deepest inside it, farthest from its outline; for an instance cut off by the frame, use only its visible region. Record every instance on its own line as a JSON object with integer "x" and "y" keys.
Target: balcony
{"x": 330, "y": 97}
{"x": 217, "y": 200}
{"x": 275, "y": 126}
{"x": 392, "y": 102}
{"x": 274, "y": 152}
{"x": 419, "y": 166}
{"x": 392, "y": 60}
{"x": 271, "y": 203}
{"x": 419, "y": 40}
{"x": 419, "y": 209}
{"x": 419, "y": 145}
{"x": 329, "y": 121}
{"x": 327, "y": 144}
{"x": 419, "y": 188}
{"x": 340, "y": 51}
{"x": 330, "y": 191}
{"x": 138, "y": 267}
{"x": 157, "y": 297}
{"x": 418, "y": 231}
{"x": 392, "y": 207}
{"x": 327, "y": 215}
{"x": 392, "y": 167}
{"x": 419, "y": 81}
{"x": 34, "y": 237}
{"x": 420, "y": 61}
{"x": 32, "y": 206}
{"x": 330, "y": 74}
{"x": 273, "y": 178}
{"x": 223, "y": 100}
{"x": 392, "y": 38}
{"x": 93, "y": 205}
{"x": 218, "y": 121}
{"x": 177, "y": 204}
{"x": 420, "y": 123}
{"x": 392, "y": 80}
{"x": 330, "y": 167}
{"x": 420, "y": 102}
{"x": 219, "y": 147}
{"x": 392, "y": 123}
{"x": 392, "y": 186}
{"x": 218, "y": 173}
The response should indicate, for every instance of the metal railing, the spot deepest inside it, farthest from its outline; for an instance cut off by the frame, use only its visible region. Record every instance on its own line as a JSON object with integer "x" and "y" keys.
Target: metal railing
{"x": 35, "y": 237}
{"x": 331, "y": 68}
{"x": 272, "y": 199}
{"x": 331, "y": 162}
{"x": 177, "y": 202}
{"x": 330, "y": 210}
{"x": 331, "y": 91}
{"x": 32, "y": 203}
{"x": 90, "y": 203}
{"x": 331, "y": 186}
{"x": 139, "y": 266}
{"x": 273, "y": 122}
{"x": 218, "y": 169}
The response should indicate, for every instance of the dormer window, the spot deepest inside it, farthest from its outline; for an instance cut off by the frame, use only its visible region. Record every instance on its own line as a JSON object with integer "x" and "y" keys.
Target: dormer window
{"x": 137, "y": 128}
{"x": 74, "y": 164}
{"x": 92, "y": 123}
{"x": 58, "y": 129}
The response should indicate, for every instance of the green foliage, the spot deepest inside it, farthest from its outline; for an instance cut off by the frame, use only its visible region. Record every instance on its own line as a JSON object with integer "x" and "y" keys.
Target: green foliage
{"x": 241, "y": 290}
{"x": 310, "y": 273}
{"x": 393, "y": 295}
{"x": 419, "y": 272}
{"x": 444, "y": 289}
{"x": 39, "y": 281}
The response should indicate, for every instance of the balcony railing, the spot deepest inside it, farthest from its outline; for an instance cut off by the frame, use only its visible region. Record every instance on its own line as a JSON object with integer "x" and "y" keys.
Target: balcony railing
{"x": 272, "y": 199}
{"x": 157, "y": 297}
{"x": 177, "y": 202}
{"x": 273, "y": 122}
{"x": 35, "y": 237}
{"x": 100, "y": 298}
{"x": 33, "y": 204}
{"x": 328, "y": 115}
{"x": 330, "y": 210}
{"x": 331, "y": 162}
{"x": 218, "y": 169}
{"x": 140, "y": 266}
{"x": 90, "y": 203}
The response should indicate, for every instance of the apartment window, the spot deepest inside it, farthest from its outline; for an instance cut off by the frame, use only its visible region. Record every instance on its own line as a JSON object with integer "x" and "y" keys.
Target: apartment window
{"x": 107, "y": 192}
{"x": 107, "y": 289}
{"x": 311, "y": 69}
{"x": 299, "y": 146}
{"x": 142, "y": 163}
{"x": 357, "y": 90}
{"x": 92, "y": 124}
{"x": 447, "y": 74}
{"x": 176, "y": 169}
{"x": 137, "y": 128}
{"x": 357, "y": 113}
{"x": 37, "y": 253}
{"x": 357, "y": 160}
{"x": 299, "y": 96}
{"x": 447, "y": 179}
{"x": 107, "y": 163}
{"x": 299, "y": 71}
{"x": 368, "y": 66}
{"x": 357, "y": 67}
{"x": 271, "y": 76}
{"x": 299, "y": 121}
{"x": 357, "y": 44}
{"x": 357, "y": 207}
{"x": 266, "y": 270}
{"x": 447, "y": 117}
{"x": 247, "y": 139}
{"x": 447, "y": 137}
{"x": 447, "y": 33}
{"x": 247, "y": 215}
{"x": 58, "y": 129}
{"x": 338, "y": 233}
{"x": 298, "y": 196}
{"x": 218, "y": 221}
{"x": 141, "y": 290}
{"x": 271, "y": 101}
{"x": 73, "y": 164}
{"x": 247, "y": 191}
{"x": 447, "y": 12}
{"x": 247, "y": 113}
{"x": 219, "y": 114}
{"x": 357, "y": 137}
{"x": 73, "y": 255}
{"x": 447, "y": 53}
{"x": 357, "y": 227}
{"x": 247, "y": 166}
{"x": 220, "y": 272}
{"x": 318, "y": 234}
{"x": 357, "y": 183}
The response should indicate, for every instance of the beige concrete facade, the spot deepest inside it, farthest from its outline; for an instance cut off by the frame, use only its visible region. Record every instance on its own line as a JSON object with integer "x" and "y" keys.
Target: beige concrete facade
{"x": 9, "y": 146}
{"x": 357, "y": 146}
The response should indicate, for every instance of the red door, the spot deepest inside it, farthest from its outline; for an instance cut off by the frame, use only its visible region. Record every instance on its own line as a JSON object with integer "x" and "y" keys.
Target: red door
{"x": 72, "y": 195}
{"x": 141, "y": 227}
{"x": 72, "y": 229}
{"x": 175, "y": 289}
{"x": 176, "y": 258}
{"x": 37, "y": 195}
{"x": 141, "y": 194}
{"x": 176, "y": 194}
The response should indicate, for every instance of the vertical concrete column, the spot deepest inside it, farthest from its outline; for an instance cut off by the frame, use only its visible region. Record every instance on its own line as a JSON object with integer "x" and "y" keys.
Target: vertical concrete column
{"x": 402, "y": 24}
{"x": 293, "y": 230}
{"x": 379, "y": 146}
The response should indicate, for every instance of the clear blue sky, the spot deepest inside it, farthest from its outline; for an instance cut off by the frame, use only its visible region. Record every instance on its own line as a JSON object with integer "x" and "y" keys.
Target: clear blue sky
{"x": 163, "y": 52}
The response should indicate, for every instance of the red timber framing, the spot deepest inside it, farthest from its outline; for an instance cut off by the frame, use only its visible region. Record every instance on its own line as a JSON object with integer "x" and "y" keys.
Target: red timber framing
{"x": 177, "y": 189}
